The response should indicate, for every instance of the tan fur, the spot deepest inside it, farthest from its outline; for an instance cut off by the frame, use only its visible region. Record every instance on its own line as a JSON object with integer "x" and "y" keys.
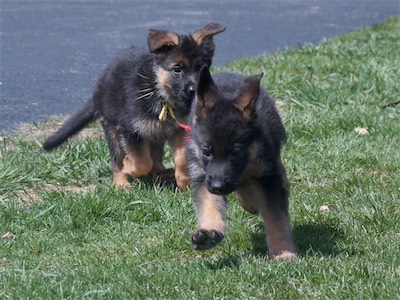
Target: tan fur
{"x": 254, "y": 169}
{"x": 249, "y": 95}
{"x": 138, "y": 163}
{"x": 203, "y": 105}
{"x": 209, "y": 212}
{"x": 286, "y": 256}
{"x": 203, "y": 34}
{"x": 120, "y": 180}
{"x": 160, "y": 38}
{"x": 277, "y": 226}
{"x": 162, "y": 76}
{"x": 279, "y": 237}
{"x": 177, "y": 143}
{"x": 247, "y": 197}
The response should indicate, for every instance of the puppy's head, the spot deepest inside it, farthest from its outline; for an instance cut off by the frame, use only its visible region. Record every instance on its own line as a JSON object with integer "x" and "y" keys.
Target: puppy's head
{"x": 178, "y": 60}
{"x": 224, "y": 130}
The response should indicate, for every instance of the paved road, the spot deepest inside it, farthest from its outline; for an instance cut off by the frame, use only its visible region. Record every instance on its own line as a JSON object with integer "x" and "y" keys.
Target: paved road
{"x": 53, "y": 51}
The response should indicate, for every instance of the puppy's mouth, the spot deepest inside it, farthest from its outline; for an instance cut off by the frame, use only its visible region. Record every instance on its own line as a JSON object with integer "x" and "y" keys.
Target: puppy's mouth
{"x": 188, "y": 99}
{"x": 182, "y": 104}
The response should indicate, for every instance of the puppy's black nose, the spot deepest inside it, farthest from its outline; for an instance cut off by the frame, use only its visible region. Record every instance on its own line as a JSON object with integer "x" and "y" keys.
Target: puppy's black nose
{"x": 223, "y": 186}
{"x": 191, "y": 90}
{"x": 216, "y": 187}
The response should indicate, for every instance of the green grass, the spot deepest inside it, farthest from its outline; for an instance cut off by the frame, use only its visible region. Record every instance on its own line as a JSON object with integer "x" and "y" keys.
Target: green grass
{"x": 76, "y": 237}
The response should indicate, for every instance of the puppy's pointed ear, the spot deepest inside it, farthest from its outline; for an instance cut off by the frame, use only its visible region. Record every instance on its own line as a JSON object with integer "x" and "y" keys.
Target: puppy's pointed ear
{"x": 161, "y": 42}
{"x": 205, "y": 89}
{"x": 249, "y": 95}
{"x": 204, "y": 36}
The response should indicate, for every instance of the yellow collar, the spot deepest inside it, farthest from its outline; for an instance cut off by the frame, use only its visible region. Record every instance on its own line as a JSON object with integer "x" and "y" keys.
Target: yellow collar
{"x": 167, "y": 108}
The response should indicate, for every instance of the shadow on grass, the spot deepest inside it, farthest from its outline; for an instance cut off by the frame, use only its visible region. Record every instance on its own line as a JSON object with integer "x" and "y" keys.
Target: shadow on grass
{"x": 148, "y": 182}
{"x": 311, "y": 239}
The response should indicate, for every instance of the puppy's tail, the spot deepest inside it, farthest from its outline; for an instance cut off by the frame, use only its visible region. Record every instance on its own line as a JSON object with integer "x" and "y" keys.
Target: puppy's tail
{"x": 72, "y": 126}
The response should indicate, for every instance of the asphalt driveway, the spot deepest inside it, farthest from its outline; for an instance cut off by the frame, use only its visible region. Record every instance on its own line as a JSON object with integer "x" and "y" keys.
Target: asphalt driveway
{"x": 53, "y": 51}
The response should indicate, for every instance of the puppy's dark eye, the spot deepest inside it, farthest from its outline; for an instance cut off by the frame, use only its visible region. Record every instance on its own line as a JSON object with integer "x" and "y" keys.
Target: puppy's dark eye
{"x": 199, "y": 66}
{"x": 236, "y": 152}
{"x": 206, "y": 151}
{"x": 176, "y": 69}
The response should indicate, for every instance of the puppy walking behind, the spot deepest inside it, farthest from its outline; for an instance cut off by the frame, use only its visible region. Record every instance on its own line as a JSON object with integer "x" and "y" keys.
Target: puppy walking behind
{"x": 139, "y": 99}
{"x": 235, "y": 146}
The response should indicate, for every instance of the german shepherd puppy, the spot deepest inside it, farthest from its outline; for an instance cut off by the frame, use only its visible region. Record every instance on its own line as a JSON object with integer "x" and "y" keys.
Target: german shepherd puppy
{"x": 139, "y": 99}
{"x": 235, "y": 146}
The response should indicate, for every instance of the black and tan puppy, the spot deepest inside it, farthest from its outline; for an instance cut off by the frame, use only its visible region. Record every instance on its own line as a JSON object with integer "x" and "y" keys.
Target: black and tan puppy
{"x": 139, "y": 99}
{"x": 235, "y": 146}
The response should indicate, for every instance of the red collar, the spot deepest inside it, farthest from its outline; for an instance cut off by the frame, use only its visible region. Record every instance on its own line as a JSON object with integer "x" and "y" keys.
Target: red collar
{"x": 188, "y": 129}
{"x": 185, "y": 127}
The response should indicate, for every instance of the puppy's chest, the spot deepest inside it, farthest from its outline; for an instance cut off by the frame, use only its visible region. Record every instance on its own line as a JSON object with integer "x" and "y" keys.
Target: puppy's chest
{"x": 145, "y": 119}
{"x": 256, "y": 169}
{"x": 154, "y": 129}
{"x": 258, "y": 164}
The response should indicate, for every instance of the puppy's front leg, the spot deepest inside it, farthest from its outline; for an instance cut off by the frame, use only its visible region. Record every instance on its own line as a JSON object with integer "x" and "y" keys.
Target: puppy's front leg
{"x": 182, "y": 176}
{"x": 211, "y": 214}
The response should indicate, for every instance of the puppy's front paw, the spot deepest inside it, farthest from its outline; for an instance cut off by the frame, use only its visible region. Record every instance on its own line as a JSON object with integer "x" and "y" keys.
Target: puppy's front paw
{"x": 286, "y": 256}
{"x": 183, "y": 183}
{"x": 120, "y": 180}
{"x": 204, "y": 239}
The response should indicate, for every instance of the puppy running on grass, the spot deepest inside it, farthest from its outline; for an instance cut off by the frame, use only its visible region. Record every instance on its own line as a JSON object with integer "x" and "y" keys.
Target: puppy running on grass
{"x": 235, "y": 146}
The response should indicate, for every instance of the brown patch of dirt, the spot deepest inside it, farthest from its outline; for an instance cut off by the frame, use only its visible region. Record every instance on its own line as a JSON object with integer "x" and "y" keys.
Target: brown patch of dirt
{"x": 30, "y": 195}
{"x": 45, "y": 129}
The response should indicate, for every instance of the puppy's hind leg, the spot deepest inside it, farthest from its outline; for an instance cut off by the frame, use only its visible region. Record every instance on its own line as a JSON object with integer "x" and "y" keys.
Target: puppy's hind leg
{"x": 117, "y": 155}
{"x": 137, "y": 161}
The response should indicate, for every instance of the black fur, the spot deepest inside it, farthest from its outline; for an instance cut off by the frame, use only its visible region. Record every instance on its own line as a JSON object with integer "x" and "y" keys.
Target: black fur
{"x": 72, "y": 126}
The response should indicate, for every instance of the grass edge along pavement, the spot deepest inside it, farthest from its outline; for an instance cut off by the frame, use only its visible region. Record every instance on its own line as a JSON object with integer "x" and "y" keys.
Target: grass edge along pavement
{"x": 65, "y": 233}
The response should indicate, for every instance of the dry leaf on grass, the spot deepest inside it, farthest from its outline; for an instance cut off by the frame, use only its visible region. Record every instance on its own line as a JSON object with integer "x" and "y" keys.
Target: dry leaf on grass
{"x": 361, "y": 130}
{"x": 280, "y": 107}
{"x": 324, "y": 209}
{"x": 8, "y": 235}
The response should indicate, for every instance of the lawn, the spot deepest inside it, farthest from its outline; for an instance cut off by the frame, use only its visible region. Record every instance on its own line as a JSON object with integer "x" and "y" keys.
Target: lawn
{"x": 67, "y": 234}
